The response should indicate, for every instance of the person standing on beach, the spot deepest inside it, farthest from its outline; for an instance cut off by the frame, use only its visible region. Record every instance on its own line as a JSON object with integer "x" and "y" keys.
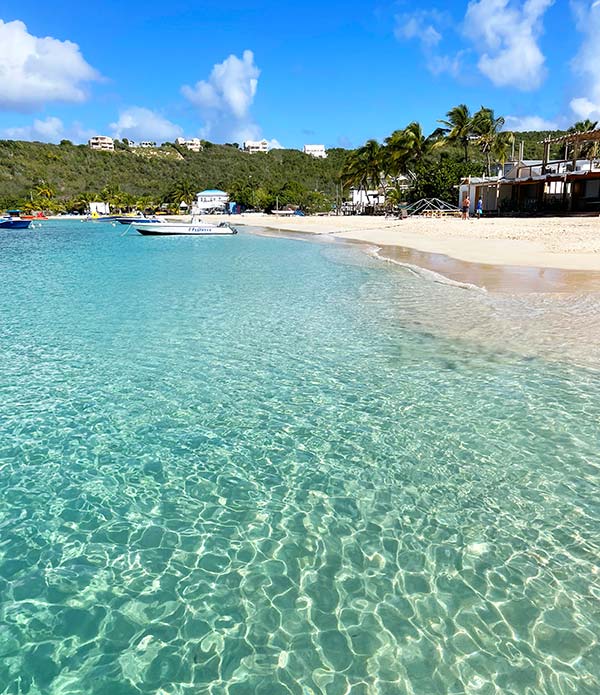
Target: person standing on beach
{"x": 465, "y": 207}
{"x": 479, "y": 210}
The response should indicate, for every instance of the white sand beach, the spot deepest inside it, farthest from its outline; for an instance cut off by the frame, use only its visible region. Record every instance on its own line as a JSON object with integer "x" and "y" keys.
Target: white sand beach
{"x": 571, "y": 243}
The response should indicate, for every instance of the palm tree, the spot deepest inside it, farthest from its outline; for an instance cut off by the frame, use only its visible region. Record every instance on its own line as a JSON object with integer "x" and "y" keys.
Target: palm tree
{"x": 83, "y": 200}
{"x": 492, "y": 140}
{"x": 112, "y": 194}
{"x": 371, "y": 157}
{"x": 143, "y": 203}
{"x": 364, "y": 167}
{"x": 44, "y": 191}
{"x": 396, "y": 153}
{"x": 128, "y": 201}
{"x": 589, "y": 150}
{"x": 406, "y": 150}
{"x": 182, "y": 192}
{"x": 583, "y": 126}
{"x": 458, "y": 127}
{"x": 419, "y": 146}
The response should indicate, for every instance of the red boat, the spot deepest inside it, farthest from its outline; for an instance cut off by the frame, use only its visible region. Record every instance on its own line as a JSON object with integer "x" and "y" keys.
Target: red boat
{"x": 37, "y": 216}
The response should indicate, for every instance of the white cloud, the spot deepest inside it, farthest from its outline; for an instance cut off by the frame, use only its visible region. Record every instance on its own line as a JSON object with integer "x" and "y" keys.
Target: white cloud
{"x": 587, "y": 61}
{"x": 138, "y": 123}
{"x": 274, "y": 144}
{"x": 224, "y": 100}
{"x": 49, "y": 130}
{"x": 506, "y": 34}
{"x": 418, "y": 25}
{"x": 35, "y": 71}
{"x": 439, "y": 64}
{"x": 522, "y": 123}
{"x": 425, "y": 26}
{"x": 78, "y": 133}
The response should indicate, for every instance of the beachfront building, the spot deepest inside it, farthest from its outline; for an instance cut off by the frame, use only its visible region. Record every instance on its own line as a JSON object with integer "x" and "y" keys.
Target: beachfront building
{"x": 472, "y": 187}
{"x": 102, "y": 142}
{"x": 211, "y": 200}
{"x": 99, "y": 208}
{"x": 317, "y": 151}
{"x": 363, "y": 201}
{"x": 254, "y": 146}
{"x": 570, "y": 184}
{"x": 359, "y": 197}
{"x": 193, "y": 144}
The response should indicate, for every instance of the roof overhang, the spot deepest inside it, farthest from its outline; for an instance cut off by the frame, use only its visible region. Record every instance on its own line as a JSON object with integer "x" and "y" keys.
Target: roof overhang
{"x": 585, "y": 136}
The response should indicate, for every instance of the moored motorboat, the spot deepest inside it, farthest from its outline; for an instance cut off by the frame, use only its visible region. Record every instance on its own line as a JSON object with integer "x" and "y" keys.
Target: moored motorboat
{"x": 193, "y": 228}
{"x": 13, "y": 220}
{"x": 137, "y": 219}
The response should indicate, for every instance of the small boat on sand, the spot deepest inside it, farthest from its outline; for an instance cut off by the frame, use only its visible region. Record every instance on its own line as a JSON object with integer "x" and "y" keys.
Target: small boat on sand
{"x": 37, "y": 216}
{"x": 194, "y": 228}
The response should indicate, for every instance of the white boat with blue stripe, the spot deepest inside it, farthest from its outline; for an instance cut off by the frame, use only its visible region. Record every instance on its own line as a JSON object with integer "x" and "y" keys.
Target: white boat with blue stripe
{"x": 194, "y": 228}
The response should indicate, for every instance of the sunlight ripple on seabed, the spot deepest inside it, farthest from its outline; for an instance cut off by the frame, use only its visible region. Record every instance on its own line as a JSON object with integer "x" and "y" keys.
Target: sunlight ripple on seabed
{"x": 255, "y": 466}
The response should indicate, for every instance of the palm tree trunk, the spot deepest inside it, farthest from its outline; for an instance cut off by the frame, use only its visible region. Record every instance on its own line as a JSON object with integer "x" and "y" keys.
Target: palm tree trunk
{"x": 366, "y": 187}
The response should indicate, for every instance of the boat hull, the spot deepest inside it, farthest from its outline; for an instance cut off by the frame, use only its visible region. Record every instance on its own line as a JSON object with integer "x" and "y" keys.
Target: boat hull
{"x": 14, "y": 224}
{"x": 136, "y": 220}
{"x": 166, "y": 229}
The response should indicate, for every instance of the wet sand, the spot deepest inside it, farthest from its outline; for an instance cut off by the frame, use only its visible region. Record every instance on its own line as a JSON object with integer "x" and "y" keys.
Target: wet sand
{"x": 511, "y": 279}
{"x": 509, "y": 255}
{"x": 497, "y": 278}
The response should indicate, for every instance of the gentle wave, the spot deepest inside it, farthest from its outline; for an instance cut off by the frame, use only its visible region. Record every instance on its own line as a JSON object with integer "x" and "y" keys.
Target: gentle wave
{"x": 425, "y": 272}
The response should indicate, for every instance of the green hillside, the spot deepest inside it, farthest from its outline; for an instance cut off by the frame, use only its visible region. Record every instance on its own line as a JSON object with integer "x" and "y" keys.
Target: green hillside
{"x": 65, "y": 173}
{"x": 67, "y": 176}
{"x": 533, "y": 148}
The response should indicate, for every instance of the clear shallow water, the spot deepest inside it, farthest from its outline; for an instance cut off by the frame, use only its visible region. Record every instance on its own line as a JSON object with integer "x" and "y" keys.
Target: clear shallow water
{"x": 254, "y": 465}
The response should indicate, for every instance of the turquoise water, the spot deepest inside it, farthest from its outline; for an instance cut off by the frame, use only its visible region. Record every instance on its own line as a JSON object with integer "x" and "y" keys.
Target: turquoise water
{"x": 257, "y": 465}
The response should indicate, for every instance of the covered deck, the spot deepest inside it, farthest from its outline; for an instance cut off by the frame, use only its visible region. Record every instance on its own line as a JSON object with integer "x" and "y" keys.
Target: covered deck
{"x": 567, "y": 185}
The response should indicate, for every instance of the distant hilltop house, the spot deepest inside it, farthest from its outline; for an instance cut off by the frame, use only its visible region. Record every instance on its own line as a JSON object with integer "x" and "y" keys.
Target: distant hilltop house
{"x": 317, "y": 151}
{"x": 193, "y": 144}
{"x": 145, "y": 144}
{"x": 102, "y": 142}
{"x": 253, "y": 146}
{"x": 211, "y": 200}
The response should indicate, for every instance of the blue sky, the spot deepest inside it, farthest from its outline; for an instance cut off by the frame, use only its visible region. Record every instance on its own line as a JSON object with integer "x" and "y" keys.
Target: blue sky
{"x": 314, "y": 72}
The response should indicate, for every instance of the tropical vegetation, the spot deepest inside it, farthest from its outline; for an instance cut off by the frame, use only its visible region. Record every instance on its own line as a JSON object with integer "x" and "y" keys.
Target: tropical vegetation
{"x": 407, "y": 165}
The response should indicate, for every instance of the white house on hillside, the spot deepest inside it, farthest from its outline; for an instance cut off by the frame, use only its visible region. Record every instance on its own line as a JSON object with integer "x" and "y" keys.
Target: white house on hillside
{"x": 102, "y": 142}
{"x": 210, "y": 200}
{"x": 253, "y": 146}
{"x": 317, "y": 151}
{"x": 193, "y": 144}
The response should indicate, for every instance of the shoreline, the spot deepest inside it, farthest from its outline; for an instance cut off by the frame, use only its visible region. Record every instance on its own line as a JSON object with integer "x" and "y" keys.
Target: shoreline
{"x": 545, "y": 255}
{"x": 504, "y": 255}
